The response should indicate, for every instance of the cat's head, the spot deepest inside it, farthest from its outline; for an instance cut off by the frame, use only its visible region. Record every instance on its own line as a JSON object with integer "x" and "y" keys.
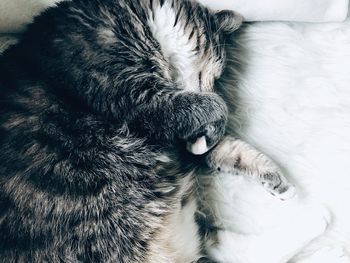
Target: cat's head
{"x": 193, "y": 40}
{"x": 104, "y": 51}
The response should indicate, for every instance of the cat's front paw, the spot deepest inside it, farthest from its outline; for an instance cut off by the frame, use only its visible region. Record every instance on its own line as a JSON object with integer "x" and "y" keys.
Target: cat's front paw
{"x": 275, "y": 183}
{"x": 237, "y": 157}
{"x": 201, "y": 120}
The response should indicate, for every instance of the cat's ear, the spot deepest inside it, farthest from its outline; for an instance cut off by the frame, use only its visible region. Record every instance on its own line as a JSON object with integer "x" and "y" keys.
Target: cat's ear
{"x": 228, "y": 21}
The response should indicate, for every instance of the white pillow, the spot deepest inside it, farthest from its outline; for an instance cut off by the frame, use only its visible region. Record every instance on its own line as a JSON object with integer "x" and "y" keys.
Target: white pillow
{"x": 16, "y": 14}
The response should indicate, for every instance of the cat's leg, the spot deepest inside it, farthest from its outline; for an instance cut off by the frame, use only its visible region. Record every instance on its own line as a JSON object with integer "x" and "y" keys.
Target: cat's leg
{"x": 232, "y": 155}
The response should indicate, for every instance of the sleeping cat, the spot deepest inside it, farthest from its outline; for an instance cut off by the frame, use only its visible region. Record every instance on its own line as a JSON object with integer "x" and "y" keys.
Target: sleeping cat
{"x": 109, "y": 115}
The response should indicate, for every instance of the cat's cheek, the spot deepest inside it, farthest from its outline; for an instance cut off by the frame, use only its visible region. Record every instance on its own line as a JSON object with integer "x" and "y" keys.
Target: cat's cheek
{"x": 199, "y": 147}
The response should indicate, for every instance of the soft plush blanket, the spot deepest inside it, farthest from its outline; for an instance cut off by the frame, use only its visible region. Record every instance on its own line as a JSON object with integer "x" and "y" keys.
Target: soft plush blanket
{"x": 15, "y": 14}
{"x": 294, "y": 104}
{"x": 285, "y": 10}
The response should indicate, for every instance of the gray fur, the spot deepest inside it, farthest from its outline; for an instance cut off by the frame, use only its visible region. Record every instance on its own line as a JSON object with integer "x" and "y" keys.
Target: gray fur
{"x": 93, "y": 132}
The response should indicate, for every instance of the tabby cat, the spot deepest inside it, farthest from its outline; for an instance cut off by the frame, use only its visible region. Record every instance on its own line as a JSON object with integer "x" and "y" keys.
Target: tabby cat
{"x": 109, "y": 114}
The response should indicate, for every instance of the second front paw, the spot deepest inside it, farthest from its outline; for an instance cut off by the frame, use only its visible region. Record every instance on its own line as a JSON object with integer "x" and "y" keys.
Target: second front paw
{"x": 237, "y": 157}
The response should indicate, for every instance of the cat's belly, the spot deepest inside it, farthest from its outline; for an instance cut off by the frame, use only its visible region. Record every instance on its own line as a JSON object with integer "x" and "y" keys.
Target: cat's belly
{"x": 178, "y": 241}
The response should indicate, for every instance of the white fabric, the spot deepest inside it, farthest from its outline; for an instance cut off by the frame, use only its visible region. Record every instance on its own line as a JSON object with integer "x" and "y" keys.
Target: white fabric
{"x": 285, "y": 10}
{"x": 15, "y": 14}
{"x": 294, "y": 105}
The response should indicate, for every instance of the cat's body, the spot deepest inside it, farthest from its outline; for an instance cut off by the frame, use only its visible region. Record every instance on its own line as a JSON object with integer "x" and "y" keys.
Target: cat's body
{"x": 96, "y": 108}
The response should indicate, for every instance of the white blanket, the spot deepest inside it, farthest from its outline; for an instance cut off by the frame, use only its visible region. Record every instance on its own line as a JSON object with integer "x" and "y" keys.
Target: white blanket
{"x": 285, "y": 10}
{"x": 15, "y": 14}
{"x": 293, "y": 104}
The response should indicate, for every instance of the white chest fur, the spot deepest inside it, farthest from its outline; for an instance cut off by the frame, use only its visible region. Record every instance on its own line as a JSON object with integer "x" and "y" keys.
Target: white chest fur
{"x": 176, "y": 45}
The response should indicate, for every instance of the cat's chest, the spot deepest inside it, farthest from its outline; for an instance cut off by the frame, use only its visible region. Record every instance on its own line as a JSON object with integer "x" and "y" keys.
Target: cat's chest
{"x": 178, "y": 45}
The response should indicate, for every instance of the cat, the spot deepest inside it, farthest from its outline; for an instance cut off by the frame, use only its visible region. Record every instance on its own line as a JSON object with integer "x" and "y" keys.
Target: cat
{"x": 109, "y": 115}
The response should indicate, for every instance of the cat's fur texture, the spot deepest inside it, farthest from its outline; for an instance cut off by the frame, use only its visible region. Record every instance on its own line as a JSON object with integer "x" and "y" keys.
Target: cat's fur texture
{"x": 96, "y": 109}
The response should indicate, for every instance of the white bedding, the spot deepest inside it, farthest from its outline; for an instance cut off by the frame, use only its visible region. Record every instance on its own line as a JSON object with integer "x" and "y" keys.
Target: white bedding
{"x": 15, "y": 14}
{"x": 285, "y": 10}
{"x": 294, "y": 94}
{"x": 294, "y": 104}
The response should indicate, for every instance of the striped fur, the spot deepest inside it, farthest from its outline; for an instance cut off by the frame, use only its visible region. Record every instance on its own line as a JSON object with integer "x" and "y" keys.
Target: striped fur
{"x": 96, "y": 108}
